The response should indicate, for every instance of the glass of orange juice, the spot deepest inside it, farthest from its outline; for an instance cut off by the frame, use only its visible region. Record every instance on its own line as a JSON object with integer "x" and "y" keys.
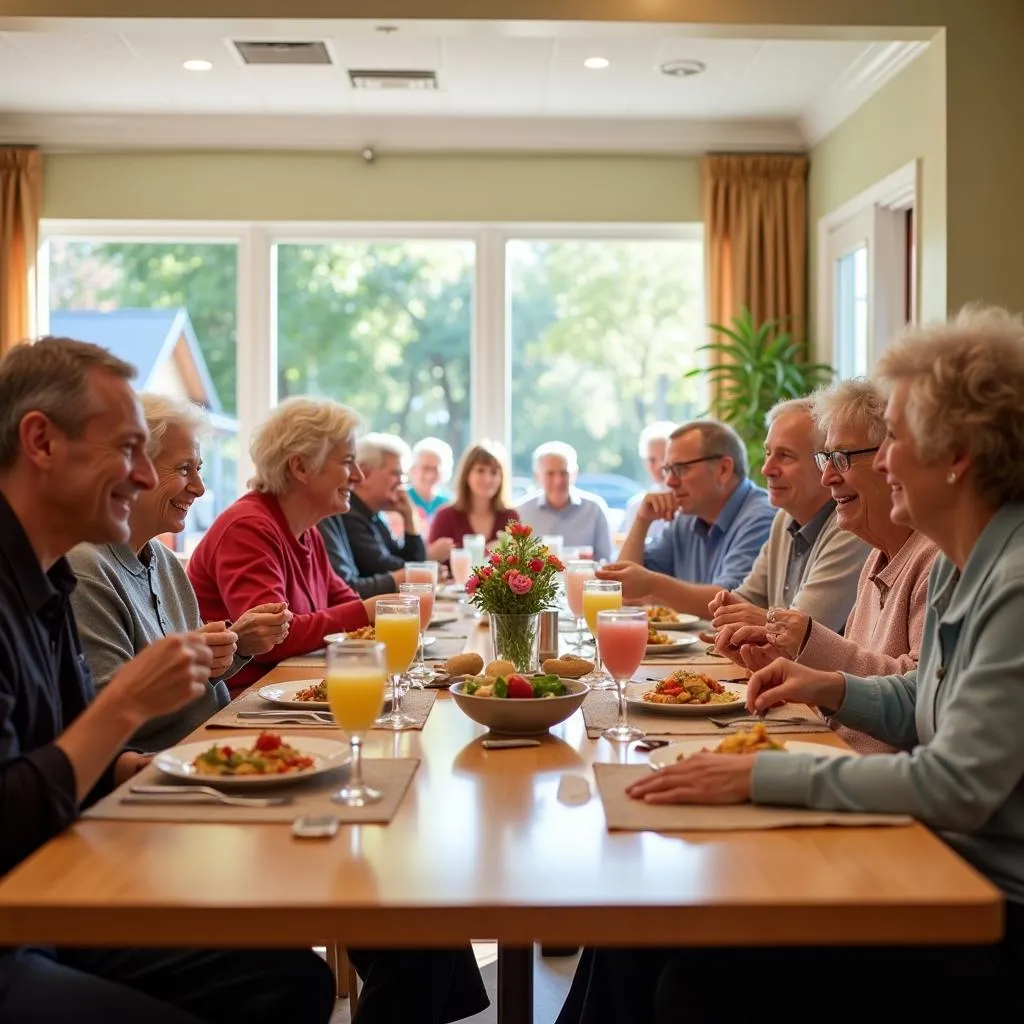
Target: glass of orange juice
{"x": 356, "y": 674}
{"x": 598, "y": 596}
{"x": 397, "y": 627}
{"x": 420, "y": 673}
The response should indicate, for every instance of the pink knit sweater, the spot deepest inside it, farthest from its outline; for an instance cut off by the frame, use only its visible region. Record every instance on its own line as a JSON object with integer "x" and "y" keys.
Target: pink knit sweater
{"x": 883, "y": 632}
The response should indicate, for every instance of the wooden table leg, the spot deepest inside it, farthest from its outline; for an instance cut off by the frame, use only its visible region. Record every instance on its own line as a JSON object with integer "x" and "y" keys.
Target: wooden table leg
{"x": 515, "y": 984}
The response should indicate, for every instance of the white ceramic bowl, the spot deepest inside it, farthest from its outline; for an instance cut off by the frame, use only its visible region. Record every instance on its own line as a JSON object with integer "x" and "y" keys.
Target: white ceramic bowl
{"x": 521, "y": 717}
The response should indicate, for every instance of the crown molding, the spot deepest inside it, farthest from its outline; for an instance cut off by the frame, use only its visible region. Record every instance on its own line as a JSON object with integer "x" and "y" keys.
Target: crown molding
{"x": 93, "y": 133}
{"x": 878, "y": 65}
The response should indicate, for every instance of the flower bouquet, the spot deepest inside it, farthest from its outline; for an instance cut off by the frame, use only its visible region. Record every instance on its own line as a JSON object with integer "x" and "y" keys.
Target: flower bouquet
{"x": 518, "y": 581}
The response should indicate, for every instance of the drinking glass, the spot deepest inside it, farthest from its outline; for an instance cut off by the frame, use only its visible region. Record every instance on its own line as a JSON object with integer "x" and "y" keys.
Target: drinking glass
{"x": 421, "y": 673}
{"x": 356, "y": 674}
{"x": 622, "y": 641}
{"x": 554, "y": 543}
{"x": 599, "y": 595}
{"x": 576, "y": 574}
{"x": 475, "y": 544}
{"x": 461, "y": 562}
{"x": 397, "y": 625}
{"x": 421, "y": 572}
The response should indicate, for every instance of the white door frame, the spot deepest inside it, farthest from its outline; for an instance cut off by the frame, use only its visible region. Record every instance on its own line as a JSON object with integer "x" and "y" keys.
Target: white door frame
{"x": 885, "y": 202}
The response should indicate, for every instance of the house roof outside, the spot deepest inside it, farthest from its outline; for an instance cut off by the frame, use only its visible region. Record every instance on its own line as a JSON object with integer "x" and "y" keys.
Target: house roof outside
{"x": 142, "y": 337}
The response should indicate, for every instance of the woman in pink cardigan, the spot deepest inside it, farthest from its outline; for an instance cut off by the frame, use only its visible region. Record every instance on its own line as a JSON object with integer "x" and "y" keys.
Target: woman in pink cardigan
{"x": 883, "y": 632}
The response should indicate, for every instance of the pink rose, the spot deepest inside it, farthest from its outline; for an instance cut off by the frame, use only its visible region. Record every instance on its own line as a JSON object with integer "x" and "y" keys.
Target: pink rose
{"x": 536, "y": 564}
{"x": 519, "y": 584}
{"x": 471, "y": 584}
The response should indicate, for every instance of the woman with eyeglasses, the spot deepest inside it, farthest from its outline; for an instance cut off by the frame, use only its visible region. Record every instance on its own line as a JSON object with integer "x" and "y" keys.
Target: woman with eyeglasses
{"x": 883, "y": 632}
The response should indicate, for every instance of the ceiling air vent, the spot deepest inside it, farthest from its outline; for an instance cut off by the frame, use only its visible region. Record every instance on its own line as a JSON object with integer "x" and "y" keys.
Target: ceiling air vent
{"x": 283, "y": 53}
{"x": 393, "y": 79}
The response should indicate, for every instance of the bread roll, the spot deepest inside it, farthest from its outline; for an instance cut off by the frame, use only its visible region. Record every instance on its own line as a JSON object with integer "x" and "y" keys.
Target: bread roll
{"x": 499, "y": 668}
{"x": 468, "y": 664}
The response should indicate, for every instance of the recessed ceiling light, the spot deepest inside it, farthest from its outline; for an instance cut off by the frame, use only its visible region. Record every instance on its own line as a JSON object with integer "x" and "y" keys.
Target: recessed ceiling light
{"x": 596, "y": 63}
{"x": 197, "y": 65}
{"x": 683, "y": 68}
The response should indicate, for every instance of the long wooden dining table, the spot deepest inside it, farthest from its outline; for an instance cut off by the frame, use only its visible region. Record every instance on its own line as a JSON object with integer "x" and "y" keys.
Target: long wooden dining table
{"x": 483, "y": 847}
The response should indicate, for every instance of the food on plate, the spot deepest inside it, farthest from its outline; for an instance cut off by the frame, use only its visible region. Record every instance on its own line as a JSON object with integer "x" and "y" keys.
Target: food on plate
{"x": 269, "y": 755}
{"x": 751, "y": 741}
{"x": 659, "y": 613}
{"x": 654, "y": 638}
{"x": 499, "y": 668}
{"x": 316, "y": 693}
{"x": 685, "y": 687}
{"x": 468, "y": 664}
{"x": 568, "y": 666}
{"x": 514, "y": 686}
{"x": 362, "y": 633}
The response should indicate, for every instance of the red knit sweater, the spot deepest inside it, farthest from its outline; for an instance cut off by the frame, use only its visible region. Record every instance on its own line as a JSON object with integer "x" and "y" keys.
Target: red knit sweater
{"x": 249, "y": 556}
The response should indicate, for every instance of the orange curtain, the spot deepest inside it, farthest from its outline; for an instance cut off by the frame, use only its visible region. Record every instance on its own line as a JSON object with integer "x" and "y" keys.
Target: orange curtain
{"x": 755, "y": 225}
{"x": 21, "y": 194}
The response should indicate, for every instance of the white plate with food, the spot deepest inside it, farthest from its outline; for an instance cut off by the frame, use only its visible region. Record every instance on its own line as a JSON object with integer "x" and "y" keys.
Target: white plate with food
{"x": 305, "y": 694}
{"x": 672, "y": 647}
{"x": 687, "y": 693}
{"x": 673, "y": 620}
{"x": 366, "y": 633}
{"x": 264, "y": 759}
{"x": 665, "y": 756}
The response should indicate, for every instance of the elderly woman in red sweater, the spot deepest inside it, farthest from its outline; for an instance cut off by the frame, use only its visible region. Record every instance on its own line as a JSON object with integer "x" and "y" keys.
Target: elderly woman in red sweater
{"x": 265, "y": 547}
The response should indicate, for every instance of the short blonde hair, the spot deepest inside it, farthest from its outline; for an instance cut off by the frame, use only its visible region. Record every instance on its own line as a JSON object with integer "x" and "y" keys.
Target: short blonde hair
{"x": 298, "y": 426}
{"x": 163, "y": 412}
{"x": 965, "y": 381}
{"x": 857, "y": 402}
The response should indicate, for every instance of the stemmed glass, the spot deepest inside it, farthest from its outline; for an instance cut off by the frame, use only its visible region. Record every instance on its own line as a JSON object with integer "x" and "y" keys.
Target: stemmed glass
{"x": 622, "y": 641}
{"x": 576, "y": 574}
{"x": 420, "y": 673}
{"x": 397, "y": 624}
{"x": 356, "y": 674}
{"x": 599, "y": 595}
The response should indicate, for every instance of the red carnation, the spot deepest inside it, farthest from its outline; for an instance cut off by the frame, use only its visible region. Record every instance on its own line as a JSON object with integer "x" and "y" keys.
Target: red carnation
{"x": 536, "y": 564}
{"x": 511, "y": 560}
{"x": 556, "y": 563}
{"x": 517, "y": 529}
{"x": 486, "y": 573}
{"x": 495, "y": 559}
{"x": 471, "y": 584}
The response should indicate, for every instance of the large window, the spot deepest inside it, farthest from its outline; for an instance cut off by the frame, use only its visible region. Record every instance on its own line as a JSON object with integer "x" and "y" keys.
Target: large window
{"x": 603, "y": 333}
{"x": 170, "y": 310}
{"x": 383, "y": 326}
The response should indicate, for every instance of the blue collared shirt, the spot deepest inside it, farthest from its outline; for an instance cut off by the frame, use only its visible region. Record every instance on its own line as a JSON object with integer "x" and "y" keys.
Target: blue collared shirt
{"x": 719, "y": 553}
{"x": 581, "y": 523}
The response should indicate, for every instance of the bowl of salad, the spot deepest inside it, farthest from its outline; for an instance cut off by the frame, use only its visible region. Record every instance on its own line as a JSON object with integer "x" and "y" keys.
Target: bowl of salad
{"x": 519, "y": 705}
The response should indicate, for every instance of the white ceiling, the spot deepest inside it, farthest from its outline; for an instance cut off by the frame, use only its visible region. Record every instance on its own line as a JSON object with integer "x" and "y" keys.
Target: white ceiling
{"x": 56, "y": 77}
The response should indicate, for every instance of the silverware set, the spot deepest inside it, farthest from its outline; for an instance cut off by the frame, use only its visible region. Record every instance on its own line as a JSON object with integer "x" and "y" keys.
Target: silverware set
{"x": 197, "y": 795}
{"x": 289, "y": 717}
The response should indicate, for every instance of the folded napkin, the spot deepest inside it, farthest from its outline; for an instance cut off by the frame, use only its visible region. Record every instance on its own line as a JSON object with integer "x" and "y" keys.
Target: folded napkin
{"x": 310, "y": 797}
{"x": 625, "y": 814}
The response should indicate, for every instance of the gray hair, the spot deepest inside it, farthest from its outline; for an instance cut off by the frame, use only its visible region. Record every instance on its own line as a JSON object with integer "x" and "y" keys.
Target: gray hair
{"x": 717, "y": 439}
{"x": 660, "y": 431}
{"x": 856, "y": 403}
{"x": 163, "y": 412}
{"x": 443, "y": 451}
{"x": 51, "y": 377}
{"x": 373, "y": 449}
{"x": 306, "y": 427}
{"x": 965, "y": 379}
{"x": 802, "y": 405}
{"x": 559, "y": 449}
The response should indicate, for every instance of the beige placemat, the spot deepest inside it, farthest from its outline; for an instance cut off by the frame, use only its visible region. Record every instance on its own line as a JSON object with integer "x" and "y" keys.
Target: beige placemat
{"x": 416, "y": 704}
{"x": 601, "y": 709}
{"x": 311, "y": 797}
{"x": 623, "y": 813}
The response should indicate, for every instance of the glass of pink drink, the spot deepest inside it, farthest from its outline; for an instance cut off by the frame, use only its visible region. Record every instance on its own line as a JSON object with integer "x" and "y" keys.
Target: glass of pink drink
{"x": 576, "y": 574}
{"x": 622, "y": 640}
{"x": 420, "y": 672}
{"x": 461, "y": 562}
{"x": 421, "y": 572}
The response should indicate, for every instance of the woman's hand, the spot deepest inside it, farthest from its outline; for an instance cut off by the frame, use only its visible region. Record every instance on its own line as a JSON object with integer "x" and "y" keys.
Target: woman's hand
{"x": 727, "y": 609}
{"x": 223, "y": 643}
{"x": 747, "y": 646}
{"x": 698, "y": 779}
{"x": 786, "y": 681}
{"x": 262, "y": 627}
{"x": 788, "y": 630}
{"x": 635, "y": 579}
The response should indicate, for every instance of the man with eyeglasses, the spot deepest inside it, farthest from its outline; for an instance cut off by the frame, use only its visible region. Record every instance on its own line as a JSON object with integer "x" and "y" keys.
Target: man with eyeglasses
{"x": 718, "y": 521}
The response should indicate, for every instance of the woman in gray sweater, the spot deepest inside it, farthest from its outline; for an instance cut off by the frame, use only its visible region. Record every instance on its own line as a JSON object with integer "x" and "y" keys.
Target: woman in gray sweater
{"x": 129, "y": 595}
{"x": 953, "y": 460}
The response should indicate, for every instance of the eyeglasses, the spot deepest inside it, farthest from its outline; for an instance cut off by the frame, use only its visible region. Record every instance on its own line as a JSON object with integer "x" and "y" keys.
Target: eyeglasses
{"x": 679, "y": 468}
{"x": 840, "y": 459}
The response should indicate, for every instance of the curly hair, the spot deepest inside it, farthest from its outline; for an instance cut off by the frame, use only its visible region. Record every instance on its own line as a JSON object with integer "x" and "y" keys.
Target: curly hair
{"x": 965, "y": 380}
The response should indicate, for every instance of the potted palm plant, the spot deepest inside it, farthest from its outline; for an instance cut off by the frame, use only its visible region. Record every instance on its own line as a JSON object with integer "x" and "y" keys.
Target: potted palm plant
{"x": 761, "y": 364}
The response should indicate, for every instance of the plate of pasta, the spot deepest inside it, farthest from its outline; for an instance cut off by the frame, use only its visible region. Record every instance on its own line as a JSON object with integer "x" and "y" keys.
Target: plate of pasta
{"x": 307, "y": 694}
{"x": 754, "y": 740}
{"x": 260, "y": 759}
{"x": 366, "y": 633}
{"x": 685, "y": 692}
{"x": 662, "y": 643}
{"x": 666, "y": 618}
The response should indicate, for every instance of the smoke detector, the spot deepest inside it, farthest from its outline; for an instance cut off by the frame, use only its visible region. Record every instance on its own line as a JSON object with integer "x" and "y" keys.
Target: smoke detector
{"x": 683, "y": 68}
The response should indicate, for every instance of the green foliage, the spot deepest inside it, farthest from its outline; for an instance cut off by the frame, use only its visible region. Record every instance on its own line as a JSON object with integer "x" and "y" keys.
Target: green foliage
{"x": 761, "y": 364}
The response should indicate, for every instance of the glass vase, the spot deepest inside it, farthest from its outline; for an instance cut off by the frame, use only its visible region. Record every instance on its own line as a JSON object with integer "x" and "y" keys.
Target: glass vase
{"x": 516, "y": 639}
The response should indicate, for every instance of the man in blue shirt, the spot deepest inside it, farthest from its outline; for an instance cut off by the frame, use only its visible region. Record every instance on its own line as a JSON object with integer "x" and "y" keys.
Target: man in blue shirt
{"x": 718, "y": 518}
{"x": 580, "y": 519}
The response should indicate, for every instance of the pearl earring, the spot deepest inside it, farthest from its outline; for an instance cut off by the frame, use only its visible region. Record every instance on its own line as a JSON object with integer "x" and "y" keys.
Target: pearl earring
{"x": 951, "y": 478}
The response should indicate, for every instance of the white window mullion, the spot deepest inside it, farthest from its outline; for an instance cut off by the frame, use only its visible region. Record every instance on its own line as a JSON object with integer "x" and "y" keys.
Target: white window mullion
{"x": 491, "y": 357}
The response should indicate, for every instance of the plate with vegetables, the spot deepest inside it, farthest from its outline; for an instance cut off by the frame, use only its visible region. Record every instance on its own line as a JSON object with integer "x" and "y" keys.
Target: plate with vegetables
{"x": 519, "y": 704}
